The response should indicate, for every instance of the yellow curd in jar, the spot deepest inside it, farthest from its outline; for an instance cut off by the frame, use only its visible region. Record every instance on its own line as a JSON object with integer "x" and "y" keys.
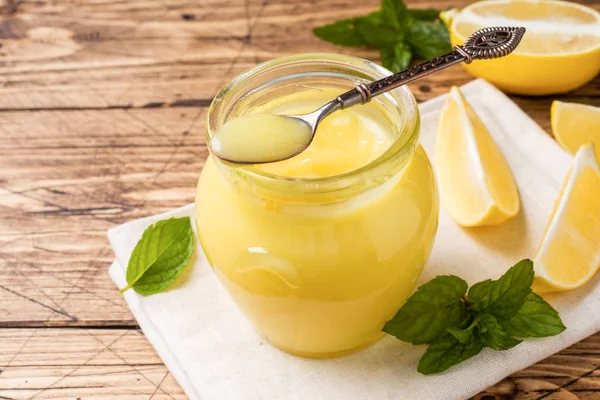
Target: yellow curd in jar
{"x": 320, "y": 279}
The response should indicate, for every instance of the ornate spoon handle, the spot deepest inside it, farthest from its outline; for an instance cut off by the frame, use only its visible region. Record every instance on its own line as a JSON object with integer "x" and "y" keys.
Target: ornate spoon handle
{"x": 484, "y": 44}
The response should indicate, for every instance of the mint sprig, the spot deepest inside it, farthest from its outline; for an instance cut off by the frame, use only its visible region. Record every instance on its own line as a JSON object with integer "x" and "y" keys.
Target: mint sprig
{"x": 399, "y": 33}
{"x": 160, "y": 256}
{"x": 457, "y": 326}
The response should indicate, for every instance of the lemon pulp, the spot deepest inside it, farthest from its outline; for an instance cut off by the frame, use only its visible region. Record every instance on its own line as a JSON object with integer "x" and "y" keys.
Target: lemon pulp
{"x": 575, "y": 125}
{"x": 570, "y": 251}
{"x": 476, "y": 184}
{"x": 559, "y": 52}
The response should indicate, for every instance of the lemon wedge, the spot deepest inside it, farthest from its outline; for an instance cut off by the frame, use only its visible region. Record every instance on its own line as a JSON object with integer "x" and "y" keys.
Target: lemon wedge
{"x": 574, "y": 125}
{"x": 570, "y": 251}
{"x": 476, "y": 184}
{"x": 559, "y": 52}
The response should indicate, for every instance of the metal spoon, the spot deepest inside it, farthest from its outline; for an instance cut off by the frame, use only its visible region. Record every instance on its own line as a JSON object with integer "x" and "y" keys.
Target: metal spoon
{"x": 485, "y": 44}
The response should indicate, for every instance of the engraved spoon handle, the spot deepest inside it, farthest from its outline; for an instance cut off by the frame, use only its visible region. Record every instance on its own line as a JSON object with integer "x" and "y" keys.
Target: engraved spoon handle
{"x": 484, "y": 44}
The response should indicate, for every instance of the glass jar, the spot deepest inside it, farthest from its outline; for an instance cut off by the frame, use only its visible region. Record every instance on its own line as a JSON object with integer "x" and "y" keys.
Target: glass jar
{"x": 318, "y": 265}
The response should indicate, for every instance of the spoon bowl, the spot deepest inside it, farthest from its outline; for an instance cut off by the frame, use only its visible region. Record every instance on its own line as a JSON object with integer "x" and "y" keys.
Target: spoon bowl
{"x": 277, "y": 138}
{"x": 268, "y": 138}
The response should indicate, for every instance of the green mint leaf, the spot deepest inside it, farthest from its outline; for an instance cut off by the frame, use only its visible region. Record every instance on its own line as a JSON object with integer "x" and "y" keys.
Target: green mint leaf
{"x": 505, "y": 297}
{"x": 396, "y": 58}
{"x": 447, "y": 352}
{"x": 343, "y": 33}
{"x": 493, "y": 334}
{"x": 393, "y": 12}
{"x": 375, "y": 33}
{"x": 536, "y": 318}
{"x": 429, "y": 14}
{"x": 160, "y": 255}
{"x": 428, "y": 39}
{"x": 465, "y": 335}
{"x": 376, "y": 18}
{"x": 478, "y": 291}
{"x": 434, "y": 307}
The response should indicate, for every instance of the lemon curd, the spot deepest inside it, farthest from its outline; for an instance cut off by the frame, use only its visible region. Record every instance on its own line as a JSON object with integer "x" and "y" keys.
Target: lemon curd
{"x": 261, "y": 137}
{"x": 344, "y": 141}
{"x": 320, "y": 250}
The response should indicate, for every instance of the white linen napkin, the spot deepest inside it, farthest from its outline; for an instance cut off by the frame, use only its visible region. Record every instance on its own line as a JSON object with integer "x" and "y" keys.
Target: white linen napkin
{"x": 214, "y": 353}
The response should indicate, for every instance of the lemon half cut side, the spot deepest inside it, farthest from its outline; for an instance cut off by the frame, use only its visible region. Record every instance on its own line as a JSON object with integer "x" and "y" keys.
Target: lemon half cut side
{"x": 559, "y": 52}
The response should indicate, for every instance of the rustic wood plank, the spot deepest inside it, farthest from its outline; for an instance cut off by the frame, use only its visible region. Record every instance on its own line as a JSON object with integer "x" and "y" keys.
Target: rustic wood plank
{"x": 126, "y": 56}
{"x": 120, "y": 364}
{"x": 93, "y": 169}
{"x": 82, "y": 363}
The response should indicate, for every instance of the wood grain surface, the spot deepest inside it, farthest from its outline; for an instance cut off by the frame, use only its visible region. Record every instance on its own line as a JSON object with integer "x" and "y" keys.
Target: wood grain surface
{"x": 102, "y": 107}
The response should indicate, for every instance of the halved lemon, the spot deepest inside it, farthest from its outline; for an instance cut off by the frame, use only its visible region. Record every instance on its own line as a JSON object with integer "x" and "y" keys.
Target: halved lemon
{"x": 574, "y": 125}
{"x": 476, "y": 184}
{"x": 559, "y": 52}
{"x": 570, "y": 251}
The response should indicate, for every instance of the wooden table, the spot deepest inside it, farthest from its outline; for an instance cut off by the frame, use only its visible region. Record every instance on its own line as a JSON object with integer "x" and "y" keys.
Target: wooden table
{"x": 102, "y": 108}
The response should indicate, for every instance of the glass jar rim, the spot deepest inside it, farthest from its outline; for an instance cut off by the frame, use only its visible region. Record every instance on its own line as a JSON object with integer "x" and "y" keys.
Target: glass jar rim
{"x": 402, "y": 97}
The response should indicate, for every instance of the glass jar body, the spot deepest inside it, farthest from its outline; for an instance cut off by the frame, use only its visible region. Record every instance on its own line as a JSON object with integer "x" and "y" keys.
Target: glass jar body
{"x": 318, "y": 265}
{"x": 320, "y": 280}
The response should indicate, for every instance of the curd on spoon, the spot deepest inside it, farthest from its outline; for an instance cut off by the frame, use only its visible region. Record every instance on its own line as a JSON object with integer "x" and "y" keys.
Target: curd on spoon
{"x": 261, "y": 137}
